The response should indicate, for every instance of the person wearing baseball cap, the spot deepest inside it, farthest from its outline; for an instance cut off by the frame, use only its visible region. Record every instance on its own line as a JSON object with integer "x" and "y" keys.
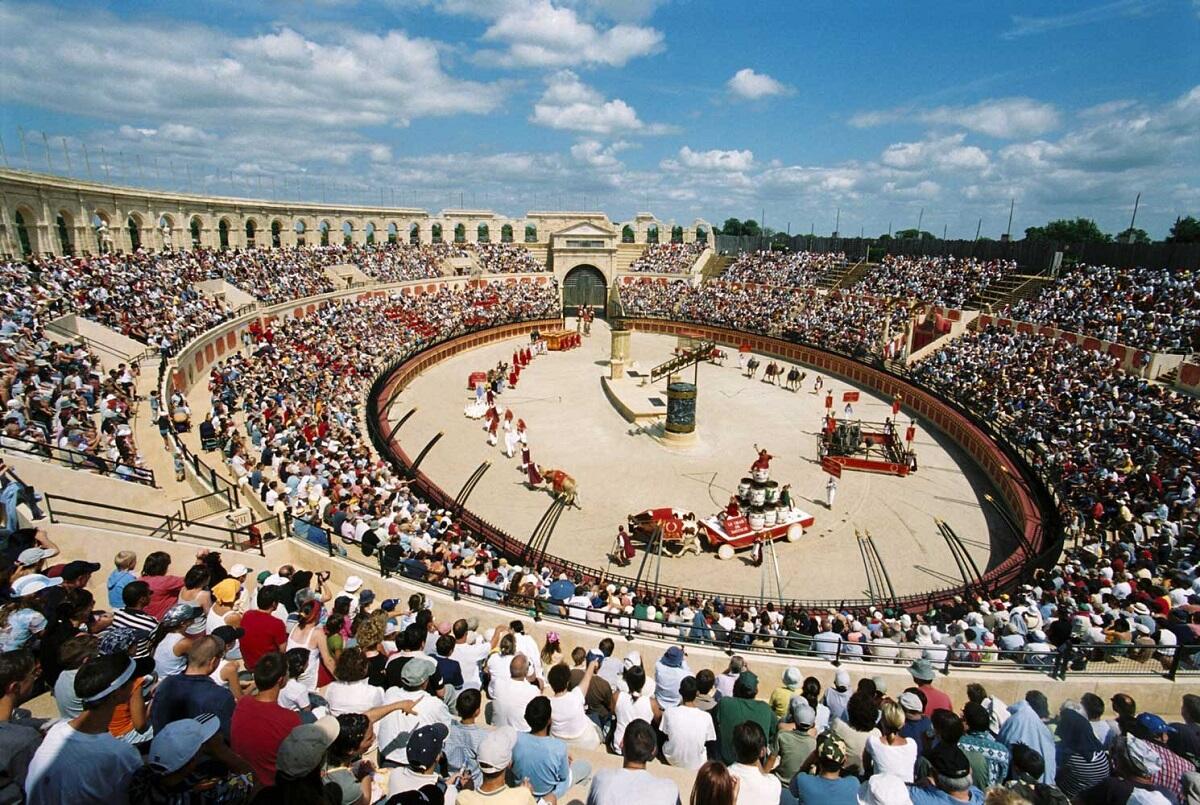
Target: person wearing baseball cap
{"x": 795, "y": 745}
{"x": 300, "y": 761}
{"x": 740, "y": 707}
{"x": 951, "y": 778}
{"x": 1135, "y": 767}
{"x": 188, "y": 757}
{"x": 1155, "y": 733}
{"x": 32, "y": 560}
{"x": 827, "y": 785}
{"x": 495, "y": 756}
{"x": 424, "y": 750}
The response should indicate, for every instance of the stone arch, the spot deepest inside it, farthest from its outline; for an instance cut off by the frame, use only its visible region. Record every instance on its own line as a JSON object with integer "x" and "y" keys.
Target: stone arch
{"x": 435, "y": 232}
{"x": 460, "y": 233}
{"x": 195, "y": 227}
{"x": 506, "y": 233}
{"x": 276, "y": 234}
{"x": 166, "y": 230}
{"x": 393, "y": 232}
{"x": 677, "y": 234}
{"x": 223, "y": 233}
{"x": 369, "y": 229}
{"x": 652, "y": 233}
{"x": 414, "y": 233}
{"x": 627, "y": 235}
{"x": 347, "y": 233}
{"x": 584, "y": 285}
{"x": 530, "y": 233}
{"x": 324, "y": 229}
{"x": 133, "y": 225}
{"x": 300, "y": 228}
{"x": 64, "y": 223}
{"x": 483, "y": 234}
{"x": 251, "y": 233}
{"x": 23, "y": 221}
{"x": 701, "y": 235}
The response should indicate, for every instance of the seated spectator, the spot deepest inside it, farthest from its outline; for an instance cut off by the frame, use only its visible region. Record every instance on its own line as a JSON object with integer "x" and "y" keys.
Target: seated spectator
{"x": 950, "y": 780}
{"x": 1082, "y": 760}
{"x": 466, "y": 736}
{"x": 543, "y": 760}
{"x": 1026, "y": 725}
{"x": 19, "y": 736}
{"x": 1025, "y": 775}
{"x": 978, "y": 741}
{"x": 739, "y": 708}
{"x": 827, "y": 785}
{"x": 193, "y": 692}
{"x": 259, "y": 723}
{"x": 689, "y": 730}
{"x": 495, "y": 761}
{"x": 632, "y": 783}
{"x": 1135, "y": 764}
{"x": 188, "y": 760}
{"x": 889, "y": 752}
{"x": 569, "y": 721}
{"x": 754, "y": 783}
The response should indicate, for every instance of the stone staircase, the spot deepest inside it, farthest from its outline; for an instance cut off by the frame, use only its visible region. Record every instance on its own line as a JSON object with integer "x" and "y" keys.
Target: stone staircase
{"x": 1006, "y": 291}
{"x": 844, "y": 276}
{"x": 715, "y": 267}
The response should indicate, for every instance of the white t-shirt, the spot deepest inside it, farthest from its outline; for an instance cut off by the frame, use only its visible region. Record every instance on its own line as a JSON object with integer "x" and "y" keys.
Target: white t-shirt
{"x": 469, "y": 655}
{"x": 352, "y": 697}
{"x": 508, "y": 706}
{"x": 72, "y": 766}
{"x": 294, "y": 695}
{"x": 898, "y": 761}
{"x": 426, "y": 710}
{"x": 756, "y": 787}
{"x": 630, "y": 709}
{"x": 568, "y": 716}
{"x": 687, "y": 729}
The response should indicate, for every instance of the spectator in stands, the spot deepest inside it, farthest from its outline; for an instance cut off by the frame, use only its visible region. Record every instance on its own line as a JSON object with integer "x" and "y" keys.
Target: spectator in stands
{"x": 755, "y": 784}
{"x": 631, "y": 703}
{"x": 193, "y": 692}
{"x": 466, "y": 735}
{"x": 570, "y": 722}
{"x": 542, "y": 759}
{"x": 1025, "y": 775}
{"x": 1185, "y": 740}
{"x": 950, "y": 781}
{"x": 632, "y": 783}
{"x": 189, "y": 761}
{"x": 1082, "y": 761}
{"x": 1135, "y": 764}
{"x": 670, "y": 669}
{"x": 164, "y": 589}
{"x": 259, "y": 724}
{"x": 424, "y": 752}
{"x": 264, "y": 632}
{"x": 838, "y": 697}
{"x": 781, "y": 697}
{"x": 1026, "y": 726}
{"x": 1155, "y": 732}
{"x": 862, "y": 713}
{"x": 796, "y": 745}
{"x": 79, "y": 760}
{"x": 124, "y": 563}
{"x": 19, "y": 737}
{"x": 923, "y": 674}
{"x": 917, "y": 725}
{"x": 978, "y": 741}
{"x": 827, "y": 785}
{"x": 495, "y": 761}
{"x": 512, "y": 695}
{"x": 740, "y": 708}
{"x": 889, "y": 752}
{"x": 689, "y": 730}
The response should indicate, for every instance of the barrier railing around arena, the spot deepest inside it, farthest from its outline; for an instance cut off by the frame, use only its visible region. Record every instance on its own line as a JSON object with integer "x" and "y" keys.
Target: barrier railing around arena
{"x": 1073, "y": 659}
{"x": 76, "y": 459}
{"x": 251, "y": 536}
{"x": 1009, "y": 473}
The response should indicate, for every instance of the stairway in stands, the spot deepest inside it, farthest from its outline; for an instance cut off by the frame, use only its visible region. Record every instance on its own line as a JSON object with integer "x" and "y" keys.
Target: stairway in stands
{"x": 716, "y": 267}
{"x": 844, "y": 276}
{"x": 1006, "y": 291}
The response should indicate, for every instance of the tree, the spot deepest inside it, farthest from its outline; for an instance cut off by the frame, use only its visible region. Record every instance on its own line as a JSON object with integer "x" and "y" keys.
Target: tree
{"x": 1081, "y": 230}
{"x": 1139, "y": 236}
{"x": 750, "y": 228}
{"x": 912, "y": 234}
{"x": 1185, "y": 230}
{"x": 732, "y": 226}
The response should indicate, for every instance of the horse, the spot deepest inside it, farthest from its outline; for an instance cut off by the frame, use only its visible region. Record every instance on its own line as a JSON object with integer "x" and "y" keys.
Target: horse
{"x": 561, "y": 485}
{"x": 751, "y": 367}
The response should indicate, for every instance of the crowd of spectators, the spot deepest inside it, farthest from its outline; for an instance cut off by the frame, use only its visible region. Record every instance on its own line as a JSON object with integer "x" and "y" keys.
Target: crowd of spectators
{"x": 841, "y": 322}
{"x": 948, "y": 281}
{"x": 397, "y": 262}
{"x": 668, "y": 258}
{"x": 1146, "y": 308}
{"x": 782, "y": 267}
{"x": 506, "y": 258}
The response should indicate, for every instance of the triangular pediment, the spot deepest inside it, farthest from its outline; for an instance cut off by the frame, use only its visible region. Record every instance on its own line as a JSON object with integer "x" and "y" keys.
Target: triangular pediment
{"x": 586, "y": 228}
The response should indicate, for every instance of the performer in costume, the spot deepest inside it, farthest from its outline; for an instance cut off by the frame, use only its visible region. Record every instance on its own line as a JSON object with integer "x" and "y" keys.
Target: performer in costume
{"x": 522, "y": 433}
{"x": 493, "y": 431}
{"x": 491, "y": 397}
{"x": 829, "y": 400}
{"x": 624, "y": 551}
{"x": 511, "y": 440}
{"x": 817, "y": 384}
{"x": 785, "y": 496}
{"x": 508, "y": 420}
{"x": 513, "y": 375}
{"x": 763, "y": 462}
{"x": 525, "y": 460}
{"x": 535, "y": 477}
{"x": 830, "y": 491}
{"x": 733, "y": 509}
{"x": 756, "y": 551}
{"x": 896, "y": 404}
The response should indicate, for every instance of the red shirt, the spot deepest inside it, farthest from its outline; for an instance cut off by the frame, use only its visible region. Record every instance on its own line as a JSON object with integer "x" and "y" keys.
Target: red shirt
{"x": 264, "y": 634}
{"x": 164, "y": 594}
{"x": 255, "y": 732}
{"x": 935, "y": 699}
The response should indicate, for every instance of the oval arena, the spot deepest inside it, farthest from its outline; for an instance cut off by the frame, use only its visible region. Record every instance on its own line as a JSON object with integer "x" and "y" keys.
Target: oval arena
{"x": 223, "y": 386}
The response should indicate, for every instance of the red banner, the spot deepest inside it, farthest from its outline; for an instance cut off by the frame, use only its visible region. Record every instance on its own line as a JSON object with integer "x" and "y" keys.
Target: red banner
{"x": 850, "y": 396}
{"x": 737, "y": 526}
{"x": 832, "y": 466}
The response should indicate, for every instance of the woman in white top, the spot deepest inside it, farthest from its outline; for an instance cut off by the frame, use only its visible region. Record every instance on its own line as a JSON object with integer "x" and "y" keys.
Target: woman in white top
{"x": 504, "y": 646}
{"x": 308, "y": 634}
{"x": 632, "y": 704}
{"x": 194, "y": 583}
{"x": 351, "y": 693}
{"x": 170, "y": 655}
{"x": 889, "y": 752}
{"x": 568, "y": 711}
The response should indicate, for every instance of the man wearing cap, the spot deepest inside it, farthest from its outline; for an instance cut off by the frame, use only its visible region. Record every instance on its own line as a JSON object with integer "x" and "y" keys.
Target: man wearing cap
{"x": 923, "y": 674}
{"x": 740, "y": 708}
{"x": 79, "y": 761}
{"x": 193, "y": 692}
{"x": 838, "y": 697}
{"x": 917, "y": 725}
{"x": 798, "y": 743}
{"x": 424, "y": 750}
{"x": 422, "y": 707}
{"x": 495, "y": 759}
{"x": 303, "y": 751}
{"x": 1172, "y": 767}
{"x": 951, "y": 779}
{"x": 1135, "y": 765}
{"x": 188, "y": 760}
{"x": 827, "y": 786}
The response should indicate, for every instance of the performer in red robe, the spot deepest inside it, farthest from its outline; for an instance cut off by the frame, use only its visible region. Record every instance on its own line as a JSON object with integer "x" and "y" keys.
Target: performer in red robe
{"x": 896, "y": 405}
{"x": 763, "y": 462}
{"x": 733, "y": 509}
{"x": 491, "y": 396}
{"x": 494, "y": 431}
{"x": 535, "y": 477}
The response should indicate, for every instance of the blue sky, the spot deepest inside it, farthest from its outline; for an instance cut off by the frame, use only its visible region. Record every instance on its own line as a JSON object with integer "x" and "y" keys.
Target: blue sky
{"x": 686, "y": 109}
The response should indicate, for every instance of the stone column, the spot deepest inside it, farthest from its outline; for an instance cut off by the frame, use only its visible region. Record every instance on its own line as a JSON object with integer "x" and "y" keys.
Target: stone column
{"x": 620, "y": 353}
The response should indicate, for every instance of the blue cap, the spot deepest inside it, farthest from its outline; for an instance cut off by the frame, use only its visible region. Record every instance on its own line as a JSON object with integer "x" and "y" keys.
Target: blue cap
{"x": 1154, "y": 724}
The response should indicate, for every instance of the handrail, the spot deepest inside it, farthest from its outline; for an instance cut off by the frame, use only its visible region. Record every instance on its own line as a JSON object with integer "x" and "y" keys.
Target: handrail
{"x": 78, "y": 458}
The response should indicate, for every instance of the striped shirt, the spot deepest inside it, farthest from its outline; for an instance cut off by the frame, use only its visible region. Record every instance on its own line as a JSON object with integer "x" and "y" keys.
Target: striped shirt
{"x": 1077, "y": 773}
{"x": 143, "y": 624}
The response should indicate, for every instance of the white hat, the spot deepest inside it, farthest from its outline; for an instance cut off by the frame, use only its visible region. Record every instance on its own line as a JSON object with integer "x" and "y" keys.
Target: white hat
{"x": 238, "y": 571}
{"x": 179, "y": 741}
{"x": 495, "y": 752}
{"x": 34, "y": 583}
{"x": 352, "y": 584}
{"x": 631, "y": 659}
{"x": 883, "y": 789}
{"x": 274, "y": 580}
{"x": 31, "y": 556}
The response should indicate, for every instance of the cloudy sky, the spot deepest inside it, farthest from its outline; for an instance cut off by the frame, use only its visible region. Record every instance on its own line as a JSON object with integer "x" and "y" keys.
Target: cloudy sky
{"x": 685, "y": 108}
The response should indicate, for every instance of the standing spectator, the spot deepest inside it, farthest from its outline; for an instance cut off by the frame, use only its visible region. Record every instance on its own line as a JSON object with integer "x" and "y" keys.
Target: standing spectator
{"x": 18, "y": 742}
{"x": 164, "y": 589}
{"x": 543, "y": 760}
{"x": 632, "y": 783}
{"x": 259, "y": 724}
{"x": 827, "y": 786}
{"x": 689, "y": 729}
{"x": 193, "y": 692}
{"x": 739, "y": 708}
{"x": 923, "y": 674}
{"x": 79, "y": 761}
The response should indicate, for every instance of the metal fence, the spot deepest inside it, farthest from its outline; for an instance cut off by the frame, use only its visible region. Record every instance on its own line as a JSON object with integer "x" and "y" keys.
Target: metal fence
{"x": 76, "y": 459}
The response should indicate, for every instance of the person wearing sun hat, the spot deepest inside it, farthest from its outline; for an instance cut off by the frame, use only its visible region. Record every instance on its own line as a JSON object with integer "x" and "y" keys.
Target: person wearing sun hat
{"x": 923, "y": 674}
{"x": 187, "y": 759}
{"x": 26, "y": 622}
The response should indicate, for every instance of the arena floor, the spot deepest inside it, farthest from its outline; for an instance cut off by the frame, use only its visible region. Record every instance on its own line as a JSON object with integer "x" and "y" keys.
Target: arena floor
{"x": 620, "y": 471}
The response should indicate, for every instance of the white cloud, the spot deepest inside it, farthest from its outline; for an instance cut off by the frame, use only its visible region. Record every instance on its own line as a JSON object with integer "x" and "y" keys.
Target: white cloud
{"x": 1118, "y": 9}
{"x": 711, "y": 160}
{"x": 942, "y": 153}
{"x": 1003, "y": 118}
{"x": 538, "y": 33}
{"x": 751, "y": 85}
{"x": 572, "y": 105}
{"x": 598, "y": 155}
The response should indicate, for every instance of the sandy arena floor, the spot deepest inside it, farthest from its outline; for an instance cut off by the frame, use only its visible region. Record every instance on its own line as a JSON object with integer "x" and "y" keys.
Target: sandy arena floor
{"x": 573, "y": 426}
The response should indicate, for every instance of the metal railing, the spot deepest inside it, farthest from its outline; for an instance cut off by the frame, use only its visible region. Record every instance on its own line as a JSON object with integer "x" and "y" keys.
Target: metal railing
{"x": 207, "y": 505}
{"x": 76, "y": 459}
